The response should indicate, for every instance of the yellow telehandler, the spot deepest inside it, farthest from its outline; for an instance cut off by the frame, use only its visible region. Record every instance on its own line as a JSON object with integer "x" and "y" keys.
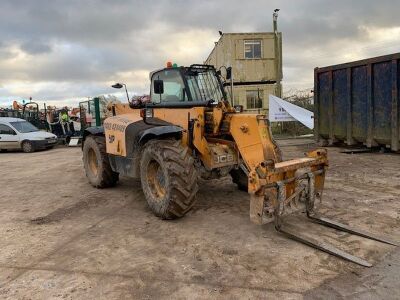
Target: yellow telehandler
{"x": 188, "y": 130}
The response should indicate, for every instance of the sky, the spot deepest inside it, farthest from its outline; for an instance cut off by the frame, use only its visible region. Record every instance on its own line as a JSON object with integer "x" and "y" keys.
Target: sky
{"x": 61, "y": 52}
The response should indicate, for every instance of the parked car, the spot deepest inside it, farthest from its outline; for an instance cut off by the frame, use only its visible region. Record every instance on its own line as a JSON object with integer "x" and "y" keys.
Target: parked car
{"x": 19, "y": 134}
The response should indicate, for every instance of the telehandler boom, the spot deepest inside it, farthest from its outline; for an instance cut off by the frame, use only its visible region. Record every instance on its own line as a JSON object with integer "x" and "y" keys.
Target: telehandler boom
{"x": 188, "y": 130}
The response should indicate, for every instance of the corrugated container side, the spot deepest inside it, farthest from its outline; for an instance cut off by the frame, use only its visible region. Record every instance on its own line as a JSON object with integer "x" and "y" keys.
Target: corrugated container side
{"x": 358, "y": 102}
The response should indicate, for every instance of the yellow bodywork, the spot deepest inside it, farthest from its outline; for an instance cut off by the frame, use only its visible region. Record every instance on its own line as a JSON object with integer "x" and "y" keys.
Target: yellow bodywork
{"x": 115, "y": 127}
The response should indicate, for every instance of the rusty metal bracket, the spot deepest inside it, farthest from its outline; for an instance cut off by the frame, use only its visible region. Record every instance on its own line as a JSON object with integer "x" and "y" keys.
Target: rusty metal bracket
{"x": 280, "y": 205}
{"x": 311, "y": 192}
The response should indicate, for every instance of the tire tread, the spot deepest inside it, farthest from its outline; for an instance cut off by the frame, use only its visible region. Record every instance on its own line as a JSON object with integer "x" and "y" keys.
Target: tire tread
{"x": 183, "y": 178}
{"x": 107, "y": 177}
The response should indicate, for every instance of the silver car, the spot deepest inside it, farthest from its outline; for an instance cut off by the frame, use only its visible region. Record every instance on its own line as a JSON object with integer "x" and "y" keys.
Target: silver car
{"x": 19, "y": 134}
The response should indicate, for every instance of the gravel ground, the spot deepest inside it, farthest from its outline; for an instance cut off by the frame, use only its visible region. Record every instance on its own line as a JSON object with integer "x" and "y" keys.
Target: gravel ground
{"x": 62, "y": 239}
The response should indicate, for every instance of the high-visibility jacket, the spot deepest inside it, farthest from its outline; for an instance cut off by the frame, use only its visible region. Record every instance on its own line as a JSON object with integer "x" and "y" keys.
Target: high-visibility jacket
{"x": 64, "y": 117}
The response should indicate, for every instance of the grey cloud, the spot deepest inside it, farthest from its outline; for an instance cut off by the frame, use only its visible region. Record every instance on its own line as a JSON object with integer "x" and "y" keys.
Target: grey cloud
{"x": 35, "y": 46}
{"x": 85, "y": 21}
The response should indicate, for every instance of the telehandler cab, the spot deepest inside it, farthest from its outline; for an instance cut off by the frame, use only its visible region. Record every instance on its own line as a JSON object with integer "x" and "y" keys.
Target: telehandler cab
{"x": 188, "y": 130}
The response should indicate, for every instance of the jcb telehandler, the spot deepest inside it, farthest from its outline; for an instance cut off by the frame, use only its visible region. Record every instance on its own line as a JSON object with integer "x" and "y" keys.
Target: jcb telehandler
{"x": 188, "y": 130}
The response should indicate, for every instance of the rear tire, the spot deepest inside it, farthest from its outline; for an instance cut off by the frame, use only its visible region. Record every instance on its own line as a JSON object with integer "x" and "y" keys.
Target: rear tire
{"x": 239, "y": 177}
{"x": 169, "y": 178}
{"x": 96, "y": 163}
{"x": 27, "y": 147}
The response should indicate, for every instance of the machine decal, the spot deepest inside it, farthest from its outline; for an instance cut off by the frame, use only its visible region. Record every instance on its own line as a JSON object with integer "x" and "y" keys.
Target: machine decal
{"x": 111, "y": 138}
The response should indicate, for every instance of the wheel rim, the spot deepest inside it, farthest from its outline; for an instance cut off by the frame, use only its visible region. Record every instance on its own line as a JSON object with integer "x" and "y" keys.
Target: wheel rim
{"x": 27, "y": 147}
{"x": 156, "y": 180}
{"x": 92, "y": 162}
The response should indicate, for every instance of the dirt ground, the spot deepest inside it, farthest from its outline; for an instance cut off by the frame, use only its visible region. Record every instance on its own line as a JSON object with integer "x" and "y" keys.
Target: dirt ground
{"x": 60, "y": 238}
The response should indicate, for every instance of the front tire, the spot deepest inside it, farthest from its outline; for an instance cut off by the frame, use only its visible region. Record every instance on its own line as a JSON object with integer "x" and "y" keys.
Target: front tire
{"x": 96, "y": 163}
{"x": 27, "y": 147}
{"x": 169, "y": 178}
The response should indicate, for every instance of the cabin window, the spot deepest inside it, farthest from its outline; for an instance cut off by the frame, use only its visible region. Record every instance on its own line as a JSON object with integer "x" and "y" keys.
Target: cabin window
{"x": 174, "y": 88}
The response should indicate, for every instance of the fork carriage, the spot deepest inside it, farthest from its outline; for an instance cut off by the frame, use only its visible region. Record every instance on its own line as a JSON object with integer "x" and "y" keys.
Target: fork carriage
{"x": 277, "y": 188}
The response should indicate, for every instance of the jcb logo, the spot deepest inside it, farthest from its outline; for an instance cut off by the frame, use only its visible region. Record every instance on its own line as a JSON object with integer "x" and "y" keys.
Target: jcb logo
{"x": 220, "y": 159}
{"x": 111, "y": 139}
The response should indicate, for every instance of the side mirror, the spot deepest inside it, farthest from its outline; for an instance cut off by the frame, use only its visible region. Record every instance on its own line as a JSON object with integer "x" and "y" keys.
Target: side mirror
{"x": 229, "y": 73}
{"x": 158, "y": 86}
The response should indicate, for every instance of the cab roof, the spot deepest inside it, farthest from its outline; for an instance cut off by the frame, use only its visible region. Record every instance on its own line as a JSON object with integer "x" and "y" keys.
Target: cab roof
{"x": 192, "y": 67}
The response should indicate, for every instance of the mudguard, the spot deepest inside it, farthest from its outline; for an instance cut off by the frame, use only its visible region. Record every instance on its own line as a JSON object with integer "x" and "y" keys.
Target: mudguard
{"x": 160, "y": 131}
{"x": 138, "y": 133}
{"x": 97, "y": 130}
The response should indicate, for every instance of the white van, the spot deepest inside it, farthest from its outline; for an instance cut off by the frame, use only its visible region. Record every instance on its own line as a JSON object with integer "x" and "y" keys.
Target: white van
{"x": 19, "y": 134}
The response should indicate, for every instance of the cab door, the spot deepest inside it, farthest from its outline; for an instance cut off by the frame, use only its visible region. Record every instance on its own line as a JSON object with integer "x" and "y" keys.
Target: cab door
{"x": 8, "y": 137}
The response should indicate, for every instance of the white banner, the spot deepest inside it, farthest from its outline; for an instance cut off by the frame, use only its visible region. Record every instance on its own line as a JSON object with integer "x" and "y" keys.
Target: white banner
{"x": 283, "y": 111}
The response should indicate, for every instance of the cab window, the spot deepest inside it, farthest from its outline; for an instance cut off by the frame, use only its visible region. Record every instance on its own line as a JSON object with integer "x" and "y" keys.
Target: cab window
{"x": 174, "y": 88}
{"x": 4, "y": 129}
